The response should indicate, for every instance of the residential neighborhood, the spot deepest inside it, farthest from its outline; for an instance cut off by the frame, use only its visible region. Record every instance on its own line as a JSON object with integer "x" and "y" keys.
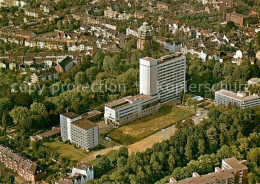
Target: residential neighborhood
{"x": 128, "y": 91}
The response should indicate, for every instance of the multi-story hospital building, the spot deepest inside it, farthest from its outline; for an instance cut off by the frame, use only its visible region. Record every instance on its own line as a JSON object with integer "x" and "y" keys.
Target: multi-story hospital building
{"x": 161, "y": 81}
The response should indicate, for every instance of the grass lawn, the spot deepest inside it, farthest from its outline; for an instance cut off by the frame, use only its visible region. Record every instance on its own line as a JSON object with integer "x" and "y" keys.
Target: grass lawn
{"x": 67, "y": 150}
{"x": 141, "y": 128}
{"x": 111, "y": 155}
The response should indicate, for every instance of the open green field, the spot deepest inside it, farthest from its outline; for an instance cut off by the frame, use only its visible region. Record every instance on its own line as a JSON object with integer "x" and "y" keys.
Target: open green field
{"x": 141, "y": 128}
{"x": 111, "y": 155}
{"x": 67, "y": 150}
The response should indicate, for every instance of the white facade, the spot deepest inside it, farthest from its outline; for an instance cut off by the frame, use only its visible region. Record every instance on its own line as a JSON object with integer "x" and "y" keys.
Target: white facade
{"x": 171, "y": 77}
{"x": 130, "y": 108}
{"x": 65, "y": 125}
{"x": 148, "y": 76}
{"x": 224, "y": 97}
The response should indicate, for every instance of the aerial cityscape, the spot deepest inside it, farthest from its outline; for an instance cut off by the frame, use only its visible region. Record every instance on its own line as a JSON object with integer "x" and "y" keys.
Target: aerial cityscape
{"x": 129, "y": 92}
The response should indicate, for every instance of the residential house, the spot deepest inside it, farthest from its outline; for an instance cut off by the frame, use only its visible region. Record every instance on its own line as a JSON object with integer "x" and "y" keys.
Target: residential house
{"x": 80, "y": 174}
{"x": 23, "y": 166}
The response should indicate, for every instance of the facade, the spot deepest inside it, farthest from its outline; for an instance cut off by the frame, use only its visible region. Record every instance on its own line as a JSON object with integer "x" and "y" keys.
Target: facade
{"x": 23, "y": 166}
{"x": 84, "y": 134}
{"x": 79, "y": 130}
{"x": 232, "y": 171}
{"x": 80, "y": 174}
{"x": 224, "y": 97}
{"x": 165, "y": 76}
{"x": 145, "y": 36}
{"x": 127, "y": 109}
{"x": 161, "y": 81}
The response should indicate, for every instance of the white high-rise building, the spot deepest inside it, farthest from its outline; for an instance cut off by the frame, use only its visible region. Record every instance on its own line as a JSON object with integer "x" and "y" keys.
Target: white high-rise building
{"x": 161, "y": 81}
{"x": 165, "y": 76}
{"x": 79, "y": 130}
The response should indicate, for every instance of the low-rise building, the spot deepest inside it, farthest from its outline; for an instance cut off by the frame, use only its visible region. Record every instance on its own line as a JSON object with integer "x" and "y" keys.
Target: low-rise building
{"x": 225, "y": 97}
{"x": 55, "y": 131}
{"x": 79, "y": 130}
{"x": 23, "y": 166}
{"x": 232, "y": 171}
{"x": 130, "y": 108}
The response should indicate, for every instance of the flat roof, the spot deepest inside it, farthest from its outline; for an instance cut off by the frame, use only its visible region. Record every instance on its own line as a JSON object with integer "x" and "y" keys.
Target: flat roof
{"x": 126, "y": 101}
{"x": 235, "y": 96}
{"x": 70, "y": 115}
{"x": 235, "y": 164}
{"x": 91, "y": 114}
{"x": 211, "y": 177}
{"x": 254, "y": 80}
{"x": 166, "y": 58}
{"x": 116, "y": 103}
{"x": 84, "y": 123}
{"x": 50, "y": 133}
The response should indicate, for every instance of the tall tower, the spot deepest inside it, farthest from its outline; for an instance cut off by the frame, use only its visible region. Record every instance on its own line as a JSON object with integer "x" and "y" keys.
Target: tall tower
{"x": 148, "y": 76}
{"x": 145, "y": 35}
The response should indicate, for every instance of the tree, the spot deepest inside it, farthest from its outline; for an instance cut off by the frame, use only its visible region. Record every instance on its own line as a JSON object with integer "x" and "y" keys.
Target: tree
{"x": 189, "y": 101}
{"x": 4, "y": 122}
{"x": 171, "y": 162}
{"x": 38, "y": 108}
{"x": 252, "y": 178}
{"x": 201, "y": 146}
{"x": 184, "y": 99}
{"x": 121, "y": 162}
{"x": 98, "y": 59}
{"x": 19, "y": 114}
{"x": 195, "y": 104}
{"x": 81, "y": 78}
{"x": 230, "y": 25}
{"x": 181, "y": 95}
{"x": 213, "y": 112}
{"x": 122, "y": 152}
{"x": 5, "y": 104}
{"x": 188, "y": 150}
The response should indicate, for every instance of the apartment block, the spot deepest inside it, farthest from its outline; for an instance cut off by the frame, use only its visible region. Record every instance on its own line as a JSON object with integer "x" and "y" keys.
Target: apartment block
{"x": 225, "y": 97}
{"x": 23, "y": 166}
{"x": 161, "y": 81}
{"x": 165, "y": 76}
{"x": 232, "y": 172}
{"x": 79, "y": 130}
